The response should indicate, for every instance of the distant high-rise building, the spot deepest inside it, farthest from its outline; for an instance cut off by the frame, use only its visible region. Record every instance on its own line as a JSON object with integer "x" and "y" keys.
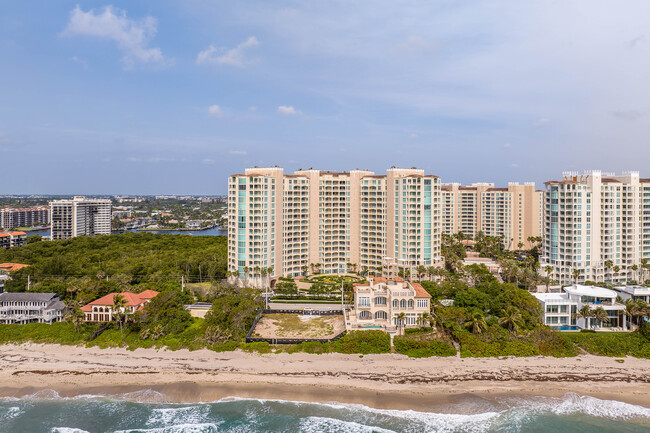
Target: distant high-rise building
{"x": 513, "y": 213}
{"x": 596, "y": 226}
{"x": 332, "y": 221}
{"x": 80, "y": 216}
{"x": 11, "y": 218}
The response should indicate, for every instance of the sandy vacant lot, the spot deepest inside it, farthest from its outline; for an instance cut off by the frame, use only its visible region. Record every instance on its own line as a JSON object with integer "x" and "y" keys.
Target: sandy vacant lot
{"x": 298, "y": 326}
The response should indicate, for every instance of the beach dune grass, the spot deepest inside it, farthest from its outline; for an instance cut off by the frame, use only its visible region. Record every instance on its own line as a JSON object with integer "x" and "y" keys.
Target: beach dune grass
{"x": 280, "y": 325}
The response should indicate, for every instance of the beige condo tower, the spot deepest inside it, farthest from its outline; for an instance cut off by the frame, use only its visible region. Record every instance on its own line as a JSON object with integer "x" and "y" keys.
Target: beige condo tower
{"x": 286, "y": 225}
{"x": 513, "y": 213}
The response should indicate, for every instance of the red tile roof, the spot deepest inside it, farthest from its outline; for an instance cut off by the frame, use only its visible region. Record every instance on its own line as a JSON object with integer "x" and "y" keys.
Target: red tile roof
{"x": 10, "y": 267}
{"x": 3, "y": 235}
{"x": 380, "y": 280}
{"x": 148, "y": 294}
{"x": 17, "y": 233}
{"x": 419, "y": 291}
{"x": 131, "y": 299}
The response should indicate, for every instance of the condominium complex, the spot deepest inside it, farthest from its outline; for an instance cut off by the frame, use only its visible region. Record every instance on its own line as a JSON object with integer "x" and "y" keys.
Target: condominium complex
{"x": 287, "y": 223}
{"x": 80, "y": 216}
{"x": 24, "y": 217}
{"x": 596, "y": 226}
{"x": 513, "y": 213}
{"x": 21, "y": 308}
{"x": 12, "y": 239}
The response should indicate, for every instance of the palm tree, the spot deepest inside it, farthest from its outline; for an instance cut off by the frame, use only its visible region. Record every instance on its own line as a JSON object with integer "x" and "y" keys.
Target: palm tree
{"x": 601, "y": 315}
{"x": 119, "y": 311}
{"x": 246, "y": 270}
{"x": 644, "y": 266}
{"x": 476, "y": 322}
{"x": 74, "y": 314}
{"x": 422, "y": 271}
{"x": 304, "y": 269}
{"x": 576, "y": 275}
{"x": 425, "y": 319}
{"x": 512, "y": 319}
{"x": 616, "y": 269}
{"x": 608, "y": 266}
{"x": 634, "y": 269}
{"x": 401, "y": 320}
{"x": 584, "y": 313}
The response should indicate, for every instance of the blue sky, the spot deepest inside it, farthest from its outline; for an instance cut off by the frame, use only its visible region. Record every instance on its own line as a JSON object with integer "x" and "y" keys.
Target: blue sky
{"x": 170, "y": 97}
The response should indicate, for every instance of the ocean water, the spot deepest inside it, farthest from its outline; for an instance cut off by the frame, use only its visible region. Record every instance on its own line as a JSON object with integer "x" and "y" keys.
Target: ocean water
{"x": 147, "y": 411}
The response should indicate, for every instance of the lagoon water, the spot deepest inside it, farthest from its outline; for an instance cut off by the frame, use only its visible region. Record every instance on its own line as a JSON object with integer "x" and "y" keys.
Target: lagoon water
{"x": 209, "y": 232}
{"x": 146, "y": 411}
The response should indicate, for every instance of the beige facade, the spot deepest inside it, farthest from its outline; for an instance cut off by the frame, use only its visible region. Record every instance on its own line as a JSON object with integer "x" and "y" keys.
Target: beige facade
{"x": 381, "y": 302}
{"x": 513, "y": 213}
{"x": 593, "y": 219}
{"x": 286, "y": 224}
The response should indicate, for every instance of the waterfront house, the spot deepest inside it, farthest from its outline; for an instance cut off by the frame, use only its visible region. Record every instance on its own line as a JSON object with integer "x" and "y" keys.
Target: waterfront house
{"x": 633, "y": 292}
{"x": 21, "y": 308}
{"x": 380, "y": 303}
{"x": 101, "y": 310}
{"x": 560, "y": 309}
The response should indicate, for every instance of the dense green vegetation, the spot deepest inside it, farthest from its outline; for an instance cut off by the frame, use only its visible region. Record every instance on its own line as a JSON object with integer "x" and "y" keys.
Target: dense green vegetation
{"x": 415, "y": 347}
{"x": 96, "y": 266}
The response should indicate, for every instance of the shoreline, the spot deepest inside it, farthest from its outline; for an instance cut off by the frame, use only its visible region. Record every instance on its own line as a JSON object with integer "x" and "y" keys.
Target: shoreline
{"x": 386, "y": 381}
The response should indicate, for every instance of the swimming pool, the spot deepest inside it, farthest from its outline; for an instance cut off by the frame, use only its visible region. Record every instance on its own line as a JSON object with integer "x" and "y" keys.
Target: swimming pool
{"x": 568, "y": 328}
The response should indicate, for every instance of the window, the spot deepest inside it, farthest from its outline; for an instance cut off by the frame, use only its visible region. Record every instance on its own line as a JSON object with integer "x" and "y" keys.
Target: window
{"x": 380, "y": 300}
{"x": 381, "y": 315}
{"x": 364, "y": 302}
{"x": 410, "y": 303}
{"x": 395, "y": 303}
{"x": 402, "y": 303}
{"x": 423, "y": 303}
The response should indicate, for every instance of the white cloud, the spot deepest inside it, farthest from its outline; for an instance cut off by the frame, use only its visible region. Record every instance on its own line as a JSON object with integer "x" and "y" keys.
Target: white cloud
{"x": 224, "y": 56}
{"x": 413, "y": 136}
{"x": 541, "y": 122}
{"x": 514, "y": 165}
{"x": 215, "y": 110}
{"x": 288, "y": 110}
{"x": 237, "y": 152}
{"x": 252, "y": 108}
{"x": 132, "y": 37}
{"x": 507, "y": 146}
{"x": 208, "y": 161}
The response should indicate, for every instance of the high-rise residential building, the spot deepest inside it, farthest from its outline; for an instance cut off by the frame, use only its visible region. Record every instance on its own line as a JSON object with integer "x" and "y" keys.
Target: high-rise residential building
{"x": 596, "y": 226}
{"x": 80, "y": 216}
{"x": 24, "y": 217}
{"x": 284, "y": 225}
{"x": 513, "y": 213}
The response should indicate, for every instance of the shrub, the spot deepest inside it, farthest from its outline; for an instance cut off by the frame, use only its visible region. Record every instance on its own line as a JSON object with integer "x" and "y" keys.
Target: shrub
{"x": 258, "y": 346}
{"x": 422, "y": 348}
{"x": 417, "y": 330}
{"x": 373, "y": 341}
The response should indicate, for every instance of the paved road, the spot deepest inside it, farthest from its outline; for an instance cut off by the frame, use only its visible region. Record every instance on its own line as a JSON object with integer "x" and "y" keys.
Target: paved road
{"x": 277, "y": 306}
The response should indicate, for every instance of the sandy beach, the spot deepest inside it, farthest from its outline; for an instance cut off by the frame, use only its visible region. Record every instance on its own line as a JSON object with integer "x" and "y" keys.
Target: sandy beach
{"x": 387, "y": 381}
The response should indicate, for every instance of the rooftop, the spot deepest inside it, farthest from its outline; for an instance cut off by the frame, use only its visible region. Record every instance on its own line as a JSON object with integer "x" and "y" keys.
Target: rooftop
{"x": 27, "y": 297}
{"x": 634, "y": 290}
{"x": 599, "y": 292}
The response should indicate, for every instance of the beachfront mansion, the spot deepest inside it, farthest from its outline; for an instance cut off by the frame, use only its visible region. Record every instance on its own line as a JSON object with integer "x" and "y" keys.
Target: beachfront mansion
{"x": 380, "y": 303}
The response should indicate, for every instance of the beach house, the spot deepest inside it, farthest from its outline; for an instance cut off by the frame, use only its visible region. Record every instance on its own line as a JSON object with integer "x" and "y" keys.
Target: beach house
{"x": 21, "y": 308}
{"x": 633, "y": 292}
{"x": 381, "y": 302}
{"x": 563, "y": 309}
{"x": 101, "y": 310}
